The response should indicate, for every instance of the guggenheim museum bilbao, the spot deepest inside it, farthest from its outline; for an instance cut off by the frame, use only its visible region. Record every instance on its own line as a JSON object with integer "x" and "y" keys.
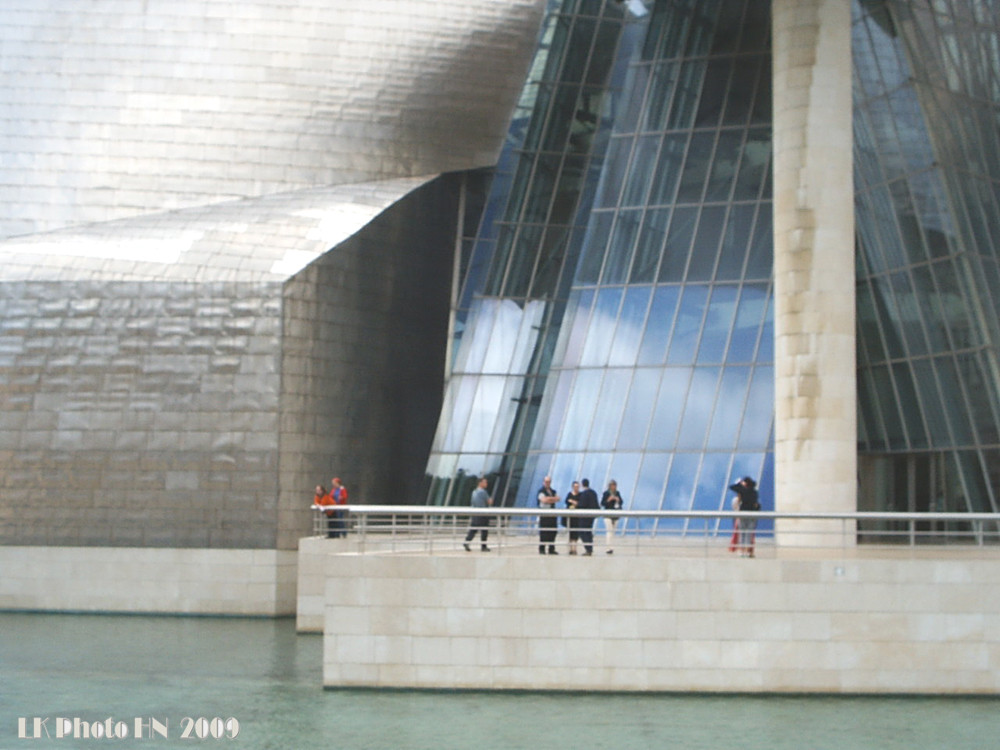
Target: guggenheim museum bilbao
{"x": 245, "y": 247}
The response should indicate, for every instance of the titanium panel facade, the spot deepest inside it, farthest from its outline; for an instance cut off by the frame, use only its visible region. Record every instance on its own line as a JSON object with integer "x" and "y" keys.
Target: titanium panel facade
{"x": 178, "y": 381}
{"x": 116, "y": 108}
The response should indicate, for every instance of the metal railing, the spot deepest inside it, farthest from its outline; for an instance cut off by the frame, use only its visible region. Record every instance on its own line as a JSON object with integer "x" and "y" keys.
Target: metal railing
{"x": 401, "y": 528}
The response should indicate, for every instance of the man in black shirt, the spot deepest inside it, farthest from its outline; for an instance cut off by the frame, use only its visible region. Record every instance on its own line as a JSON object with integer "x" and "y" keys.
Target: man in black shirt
{"x": 585, "y": 526}
{"x": 547, "y": 525}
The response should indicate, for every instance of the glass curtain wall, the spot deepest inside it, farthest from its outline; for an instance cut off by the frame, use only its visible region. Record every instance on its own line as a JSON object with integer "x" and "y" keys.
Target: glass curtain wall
{"x": 927, "y": 171}
{"x": 626, "y": 333}
{"x": 513, "y": 283}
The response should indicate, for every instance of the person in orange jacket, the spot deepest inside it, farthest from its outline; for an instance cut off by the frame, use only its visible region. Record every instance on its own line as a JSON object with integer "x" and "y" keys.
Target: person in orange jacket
{"x": 323, "y": 497}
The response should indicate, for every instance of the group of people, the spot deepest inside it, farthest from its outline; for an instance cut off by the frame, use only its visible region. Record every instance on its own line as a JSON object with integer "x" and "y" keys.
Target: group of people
{"x": 581, "y": 528}
{"x": 336, "y": 525}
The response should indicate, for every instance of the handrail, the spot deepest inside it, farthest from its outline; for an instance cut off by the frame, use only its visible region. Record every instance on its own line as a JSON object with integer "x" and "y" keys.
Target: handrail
{"x": 452, "y": 510}
{"x": 430, "y": 527}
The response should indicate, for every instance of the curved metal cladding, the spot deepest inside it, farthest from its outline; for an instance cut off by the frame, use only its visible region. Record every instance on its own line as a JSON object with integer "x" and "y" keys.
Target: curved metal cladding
{"x": 185, "y": 379}
{"x": 115, "y": 108}
{"x": 641, "y": 350}
{"x": 181, "y": 367}
{"x": 927, "y": 169}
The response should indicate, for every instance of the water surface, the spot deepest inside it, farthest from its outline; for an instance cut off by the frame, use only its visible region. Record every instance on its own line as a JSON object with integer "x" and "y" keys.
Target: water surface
{"x": 95, "y": 667}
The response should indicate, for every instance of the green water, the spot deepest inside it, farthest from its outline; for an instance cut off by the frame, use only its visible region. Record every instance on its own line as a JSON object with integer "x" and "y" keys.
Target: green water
{"x": 175, "y": 669}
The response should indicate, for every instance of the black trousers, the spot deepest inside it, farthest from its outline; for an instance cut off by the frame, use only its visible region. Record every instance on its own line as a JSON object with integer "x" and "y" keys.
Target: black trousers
{"x": 586, "y": 535}
{"x": 480, "y": 524}
{"x": 548, "y": 526}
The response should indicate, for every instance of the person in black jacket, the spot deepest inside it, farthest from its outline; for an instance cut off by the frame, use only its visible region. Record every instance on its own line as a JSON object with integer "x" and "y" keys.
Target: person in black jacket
{"x": 547, "y": 525}
{"x": 747, "y": 500}
{"x": 584, "y": 526}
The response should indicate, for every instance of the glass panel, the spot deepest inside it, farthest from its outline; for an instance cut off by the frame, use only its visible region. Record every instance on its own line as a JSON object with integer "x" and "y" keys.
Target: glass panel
{"x": 614, "y": 172}
{"x": 640, "y": 171}
{"x": 523, "y": 260}
{"x": 580, "y": 413}
{"x": 621, "y": 247}
{"x": 578, "y": 50}
{"x": 556, "y": 399}
{"x": 647, "y": 253}
{"x": 595, "y": 245}
{"x": 727, "y": 27}
{"x": 680, "y": 489}
{"x": 461, "y": 392}
{"x": 739, "y": 102}
{"x": 635, "y": 87}
{"x": 729, "y": 407}
{"x": 686, "y": 98}
{"x": 477, "y": 335}
{"x": 756, "y": 426}
{"x": 602, "y": 327}
{"x": 550, "y": 262}
{"x": 678, "y": 246}
{"x": 931, "y": 403}
{"x": 623, "y": 470}
{"x": 713, "y": 92}
{"x": 648, "y": 491}
{"x": 628, "y": 336}
{"x": 699, "y": 156}
{"x": 721, "y": 311}
{"x": 667, "y": 412}
{"x": 705, "y": 251}
{"x": 710, "y": 492}
{"x": 658, "y": 327}
{"x": 638, "y": 411}
{"x": 727, "y": 154}
{"x": 735, "y": 242}
{"x": 698, "y": 408}
{"x": 889, "y": 407}
{"x": 668, "y": 169}
{"x": 488, "y": 408}
{"x": 565, "y": 470}
{"x": 609, "y": 410}
{"x": 766, "y": 353}
{"x": 981, "y": 393}
{"x": 753, "y": 164}
{"x": 690, "y": 314}
{"x": 575, "y": 327}
{"x": 660, "y": 94}
{"x": 602, "y": 57}
{"x": 759, "y": 260}
{"x": 749, "y": 316}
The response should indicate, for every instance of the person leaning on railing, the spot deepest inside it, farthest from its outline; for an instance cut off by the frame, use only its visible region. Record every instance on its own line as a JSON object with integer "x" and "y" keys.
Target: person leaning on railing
{"x": 338, "y": 495}
{"x": 323, "y": 498}
{"x": 747, "y": 500}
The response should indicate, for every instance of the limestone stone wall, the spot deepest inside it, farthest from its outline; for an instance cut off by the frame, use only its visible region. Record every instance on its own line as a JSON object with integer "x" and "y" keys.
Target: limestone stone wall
{"x": 899, "y": 625}
{"x": 814, "y": 321}
{"x": 148, "y": 580}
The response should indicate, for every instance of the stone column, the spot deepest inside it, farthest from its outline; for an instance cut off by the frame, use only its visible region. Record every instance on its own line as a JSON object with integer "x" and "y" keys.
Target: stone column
{"x": 815, "y": 385}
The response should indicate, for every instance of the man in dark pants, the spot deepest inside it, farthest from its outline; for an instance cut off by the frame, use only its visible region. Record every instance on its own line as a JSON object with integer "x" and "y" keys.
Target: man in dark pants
{"x": 480, "y": 499}
{"x": 585, "y": 526}
{"x": 547, "y": 525}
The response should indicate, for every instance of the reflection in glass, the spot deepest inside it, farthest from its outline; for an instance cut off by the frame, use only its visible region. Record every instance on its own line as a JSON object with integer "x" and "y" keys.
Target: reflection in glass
{"x": 647, "y": 358}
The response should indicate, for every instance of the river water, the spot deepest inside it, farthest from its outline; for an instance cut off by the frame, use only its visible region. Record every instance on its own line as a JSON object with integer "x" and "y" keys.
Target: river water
{"x": 104, "y": 672}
